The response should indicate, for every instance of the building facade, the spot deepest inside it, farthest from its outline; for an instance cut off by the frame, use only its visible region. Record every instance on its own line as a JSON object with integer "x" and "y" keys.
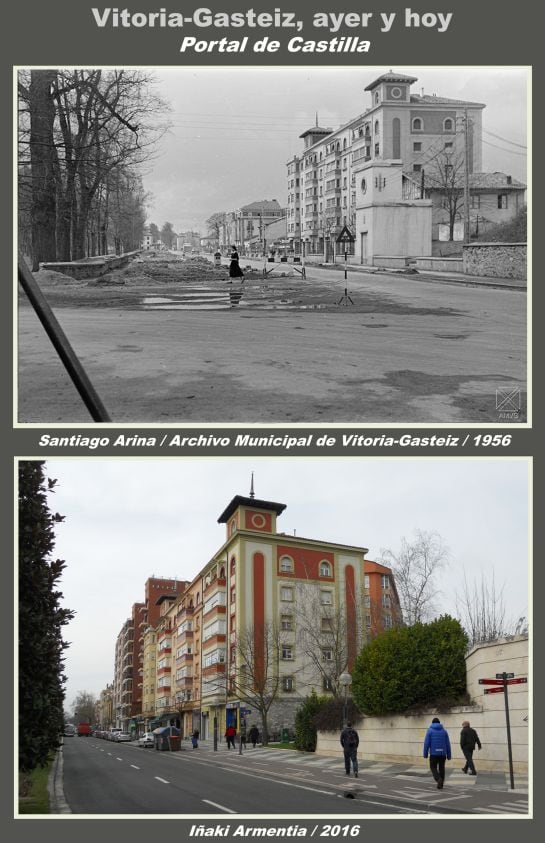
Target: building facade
{"x": 418, "y": 130}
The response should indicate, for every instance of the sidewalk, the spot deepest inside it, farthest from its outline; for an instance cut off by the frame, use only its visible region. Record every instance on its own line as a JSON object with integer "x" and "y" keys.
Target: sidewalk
{"x": 401, "y": 784}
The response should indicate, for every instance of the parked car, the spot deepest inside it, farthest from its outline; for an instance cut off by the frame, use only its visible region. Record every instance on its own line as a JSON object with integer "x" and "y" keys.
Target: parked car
{"x": 146, "y": 739}
{"x": 112, "y": 734}
{"x": 123, "y": 736}
{"x": 69, "y": 730}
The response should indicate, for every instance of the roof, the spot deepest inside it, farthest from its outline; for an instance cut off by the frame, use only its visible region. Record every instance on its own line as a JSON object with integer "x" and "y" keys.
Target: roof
{"x": 391, "y": 77}
{"x": 254, "y": 503}
{"x": 432, "y": 99}
{"x": 262, "y": 205}
{"x": 316, "y": 130}
{"x": 478, "y": 181}
{"x": 164, "y": 597}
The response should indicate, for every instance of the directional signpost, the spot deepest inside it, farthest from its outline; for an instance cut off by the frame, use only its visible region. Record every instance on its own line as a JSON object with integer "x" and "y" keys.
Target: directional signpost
{"x": 500, "y": 684}
{"x": 344, "y": 238}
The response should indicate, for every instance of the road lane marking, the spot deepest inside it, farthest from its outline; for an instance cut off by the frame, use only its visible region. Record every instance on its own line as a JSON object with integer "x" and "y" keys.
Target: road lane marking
{"x": 118, "y": 759}
{"x": 135, "y": 767}
{"x": 221, "y": 807}
{"x": 159, "y": 779}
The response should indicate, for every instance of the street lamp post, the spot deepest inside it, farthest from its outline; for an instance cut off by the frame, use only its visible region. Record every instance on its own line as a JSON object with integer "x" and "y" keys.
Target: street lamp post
{"x": 345, "y": 680}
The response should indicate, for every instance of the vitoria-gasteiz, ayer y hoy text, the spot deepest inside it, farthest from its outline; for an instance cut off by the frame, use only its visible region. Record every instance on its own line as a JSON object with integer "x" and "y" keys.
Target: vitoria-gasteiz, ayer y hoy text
{"x": 333, "y": 22}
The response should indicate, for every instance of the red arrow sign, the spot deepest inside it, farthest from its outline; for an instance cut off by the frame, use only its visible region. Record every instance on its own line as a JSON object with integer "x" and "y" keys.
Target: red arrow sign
{"x": 491, "y": 682}
{"x": 520, "y": 680}
{"x": 493, "y": 690}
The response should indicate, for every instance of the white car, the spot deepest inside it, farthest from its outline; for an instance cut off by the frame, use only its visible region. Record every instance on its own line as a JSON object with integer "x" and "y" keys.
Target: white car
{"x": 146, "y": 740}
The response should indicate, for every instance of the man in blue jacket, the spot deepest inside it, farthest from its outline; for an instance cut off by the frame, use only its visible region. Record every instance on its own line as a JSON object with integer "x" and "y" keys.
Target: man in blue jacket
{"x": 437, "y": 746}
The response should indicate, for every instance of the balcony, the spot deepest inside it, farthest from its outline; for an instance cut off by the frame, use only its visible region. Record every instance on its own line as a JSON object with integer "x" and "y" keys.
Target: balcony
{"x": 218, "y": 609}
{"x": 185, "y": 682}
{"x": 185, "y": 612}
{"x": 187, "y": 635}
{"x": 214, "y": 585}
{"x": 163, "y": 671}
{"x": 185, "y": 658}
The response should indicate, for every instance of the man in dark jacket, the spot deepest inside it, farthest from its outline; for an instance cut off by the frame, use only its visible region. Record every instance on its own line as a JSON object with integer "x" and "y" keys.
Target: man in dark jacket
{"x": 350, "y": 741}
{"x": 437, "y": 745}
{"x": 469, "y": 739}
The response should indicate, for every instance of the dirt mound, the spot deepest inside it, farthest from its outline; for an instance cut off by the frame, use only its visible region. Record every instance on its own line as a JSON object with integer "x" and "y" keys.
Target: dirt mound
{"x": 50, "y": 278}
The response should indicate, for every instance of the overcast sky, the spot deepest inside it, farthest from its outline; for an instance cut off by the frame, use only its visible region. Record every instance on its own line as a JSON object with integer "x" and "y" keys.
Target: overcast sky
{"x": 234, "y": 129}
{"x": 129, "y": 519}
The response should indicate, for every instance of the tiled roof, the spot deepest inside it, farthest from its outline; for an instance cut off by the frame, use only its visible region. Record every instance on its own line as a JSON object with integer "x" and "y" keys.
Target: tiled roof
{"x": 477, "y": 181}
{"x": 391, "y": 77}
{"x": 431, "y": 99}
{"x": 263, "y": 205}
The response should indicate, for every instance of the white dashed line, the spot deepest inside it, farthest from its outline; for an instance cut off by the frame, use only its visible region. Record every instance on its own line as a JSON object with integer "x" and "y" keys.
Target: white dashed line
{"x": 135, "y": 767}
{"x": 221, "y": 807}
{"x": 159, "y": 779}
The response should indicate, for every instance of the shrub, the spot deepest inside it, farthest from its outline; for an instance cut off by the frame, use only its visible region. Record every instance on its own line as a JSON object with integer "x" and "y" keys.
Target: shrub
{"x": 305, "y": 730}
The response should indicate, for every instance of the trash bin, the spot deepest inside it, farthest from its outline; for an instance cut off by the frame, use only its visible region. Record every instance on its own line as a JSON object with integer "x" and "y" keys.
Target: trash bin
{"x": 174, "y": 743}
{"x": 285, "y": 735}
{"x": 163, "y": 736}
{"x": 217, "y": 258}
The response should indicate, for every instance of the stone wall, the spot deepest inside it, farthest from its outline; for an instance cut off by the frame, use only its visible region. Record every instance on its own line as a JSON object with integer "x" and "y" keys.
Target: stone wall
{"x": 400, "y": 738}
{"x": 90, "y": 267}
{"x": 496, "y": 260}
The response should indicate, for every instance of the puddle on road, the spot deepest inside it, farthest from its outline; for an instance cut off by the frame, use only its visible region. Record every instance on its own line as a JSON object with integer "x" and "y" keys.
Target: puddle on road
{"x": 216, "y": 301}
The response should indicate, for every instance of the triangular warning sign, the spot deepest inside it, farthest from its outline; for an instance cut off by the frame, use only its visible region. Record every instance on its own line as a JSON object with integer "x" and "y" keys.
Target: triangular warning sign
{"x": 345, "y": 236}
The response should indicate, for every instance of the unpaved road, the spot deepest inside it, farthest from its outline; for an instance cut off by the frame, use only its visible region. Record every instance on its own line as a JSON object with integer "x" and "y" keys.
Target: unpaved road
{"x": 409, "y": 351}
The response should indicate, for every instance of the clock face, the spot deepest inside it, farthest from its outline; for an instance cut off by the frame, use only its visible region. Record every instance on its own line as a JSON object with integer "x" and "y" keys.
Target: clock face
{"x": 364, "y": 185}
{"x": 396, "y": 92}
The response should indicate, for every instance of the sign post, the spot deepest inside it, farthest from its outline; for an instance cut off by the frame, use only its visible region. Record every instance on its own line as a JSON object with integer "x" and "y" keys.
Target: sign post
{"x": 345, "y": 237}
{"x": 501, "y": 683}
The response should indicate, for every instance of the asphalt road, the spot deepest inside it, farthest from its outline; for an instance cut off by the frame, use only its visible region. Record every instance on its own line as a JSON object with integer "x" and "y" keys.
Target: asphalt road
{"x": 410, "y": 351}
{"x": 101, "y": 777}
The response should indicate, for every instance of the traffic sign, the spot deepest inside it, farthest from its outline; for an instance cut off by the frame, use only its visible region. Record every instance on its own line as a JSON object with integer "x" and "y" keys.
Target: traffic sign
{"x": 504, "y": 675}
{"x": 520, "y": 680}
{"x": 345, "y": 236}
{"x": 491, "y": 682}
{"x": 494, "y": 690}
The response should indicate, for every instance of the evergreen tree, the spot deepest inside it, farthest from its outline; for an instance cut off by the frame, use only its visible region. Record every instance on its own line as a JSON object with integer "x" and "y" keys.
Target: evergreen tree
{"x": 41, "y": 618}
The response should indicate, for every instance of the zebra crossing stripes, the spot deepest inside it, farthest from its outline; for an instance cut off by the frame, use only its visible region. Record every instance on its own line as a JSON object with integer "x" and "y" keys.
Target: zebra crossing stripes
{"x": 506, "y": 808}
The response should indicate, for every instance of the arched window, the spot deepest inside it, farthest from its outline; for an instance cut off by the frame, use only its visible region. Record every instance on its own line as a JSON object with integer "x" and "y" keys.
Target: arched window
{"x": 377, "y": 127}
{"x": 376, "y": 98}
{"x": 286, "y": 565}
{"x": 325, "y": 568}
{"x": 418, "y": 125}
{"x": 344, "y": 143}
{"x": 448, "y": 124}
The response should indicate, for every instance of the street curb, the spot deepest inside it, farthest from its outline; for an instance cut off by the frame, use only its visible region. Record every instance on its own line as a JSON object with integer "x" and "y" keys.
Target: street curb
{"x": 57, "y": 802}
{"x": 415, "y": 803}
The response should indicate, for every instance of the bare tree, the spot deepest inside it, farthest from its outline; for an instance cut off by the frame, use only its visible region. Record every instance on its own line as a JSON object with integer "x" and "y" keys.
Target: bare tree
{"x": 446, "y": 179}
{"x": 254, "y": 676}
{"x": 482, "y": 613}
{"x": 84, "y": 707}
{"x": 324, "y": 638}
{"x": 415, "y": 568}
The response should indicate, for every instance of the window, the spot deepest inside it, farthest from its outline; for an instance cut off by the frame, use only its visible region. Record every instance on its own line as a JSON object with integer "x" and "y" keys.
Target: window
{"x": 502, "y": 200}
{"x": 385, "y": 601}
{"x": 367, "y": 601}
{"x": 326, "y": 598}
{"x": 326, "y": 625}
{"x": 286, "y": 622}
{"x": 417, "y": 168}
{"x": 387, "y": 621}
{"x": 377, "y": 127}
{"x": 449, "y": 146}
{"x": 287, "y": 652}
{"x": 327, "y": 654}
{"x": 417, "y": 146}
{"x": 448, "y": 124}
{"x": 366, "y": 580}
{"x": 325, "y": 569}
{"x": 377, "y": 149}
{"x": 368, "y": 621}
{"x": 476, "y": 201}
{"x": 286, "y": 593}
{"x": 286, "y": 565}
{"x": 385, "y": 580}
{"x": 327, "y": 684}
{"x": 418, "y": 125}
{"x": 288, "y": 683}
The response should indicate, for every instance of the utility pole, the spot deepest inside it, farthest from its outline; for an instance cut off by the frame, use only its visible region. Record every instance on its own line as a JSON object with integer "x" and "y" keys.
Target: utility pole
{"x": 467, "y": 236}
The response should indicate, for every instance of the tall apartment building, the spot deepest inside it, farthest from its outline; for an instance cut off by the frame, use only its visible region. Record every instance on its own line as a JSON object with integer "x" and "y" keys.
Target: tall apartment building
{"x": 328, "y": 181}
{"x": 129, "y": 650}
{"x": 265, "y": 598}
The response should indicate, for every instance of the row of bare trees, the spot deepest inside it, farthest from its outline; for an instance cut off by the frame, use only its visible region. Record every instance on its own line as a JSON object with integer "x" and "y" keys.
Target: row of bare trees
{"x": 84, "y": 137}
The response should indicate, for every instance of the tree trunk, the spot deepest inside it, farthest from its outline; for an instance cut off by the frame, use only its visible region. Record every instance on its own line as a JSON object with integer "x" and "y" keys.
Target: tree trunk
{"x": 42, "y": 158}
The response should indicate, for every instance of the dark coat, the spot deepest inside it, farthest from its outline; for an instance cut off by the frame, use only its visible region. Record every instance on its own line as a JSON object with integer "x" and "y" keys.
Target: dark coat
{"x": 469, "y": 739}
{"x": 234, "y": 269}
{"x": 349, "y": 739}
{"x": 437, "y": 741}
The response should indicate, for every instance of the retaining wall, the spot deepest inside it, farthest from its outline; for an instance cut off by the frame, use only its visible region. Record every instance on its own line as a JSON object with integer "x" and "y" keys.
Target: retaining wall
{"x": 496, "y": 260}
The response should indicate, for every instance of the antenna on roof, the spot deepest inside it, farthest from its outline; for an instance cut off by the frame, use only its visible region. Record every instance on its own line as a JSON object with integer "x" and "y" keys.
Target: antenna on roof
{"x": 252, "y": 493}
{"x": 316, "y": 119}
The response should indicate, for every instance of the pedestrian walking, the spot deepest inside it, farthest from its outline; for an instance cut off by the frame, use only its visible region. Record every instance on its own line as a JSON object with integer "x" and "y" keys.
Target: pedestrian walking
{"x": 469, "y": 739}
{"x": 437, "y": 746}
{"x": 234, "y": 269}
{"x": 230, "y": 733}
{"x": 350, "y": 741}
{"x": 253, "y": 735}
{"x": 195, "y": 739}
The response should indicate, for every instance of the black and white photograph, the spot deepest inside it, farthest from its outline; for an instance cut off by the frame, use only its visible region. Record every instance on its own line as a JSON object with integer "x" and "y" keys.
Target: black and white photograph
{"x": 213, "y": 641}
{"x": 272, "y": 245}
